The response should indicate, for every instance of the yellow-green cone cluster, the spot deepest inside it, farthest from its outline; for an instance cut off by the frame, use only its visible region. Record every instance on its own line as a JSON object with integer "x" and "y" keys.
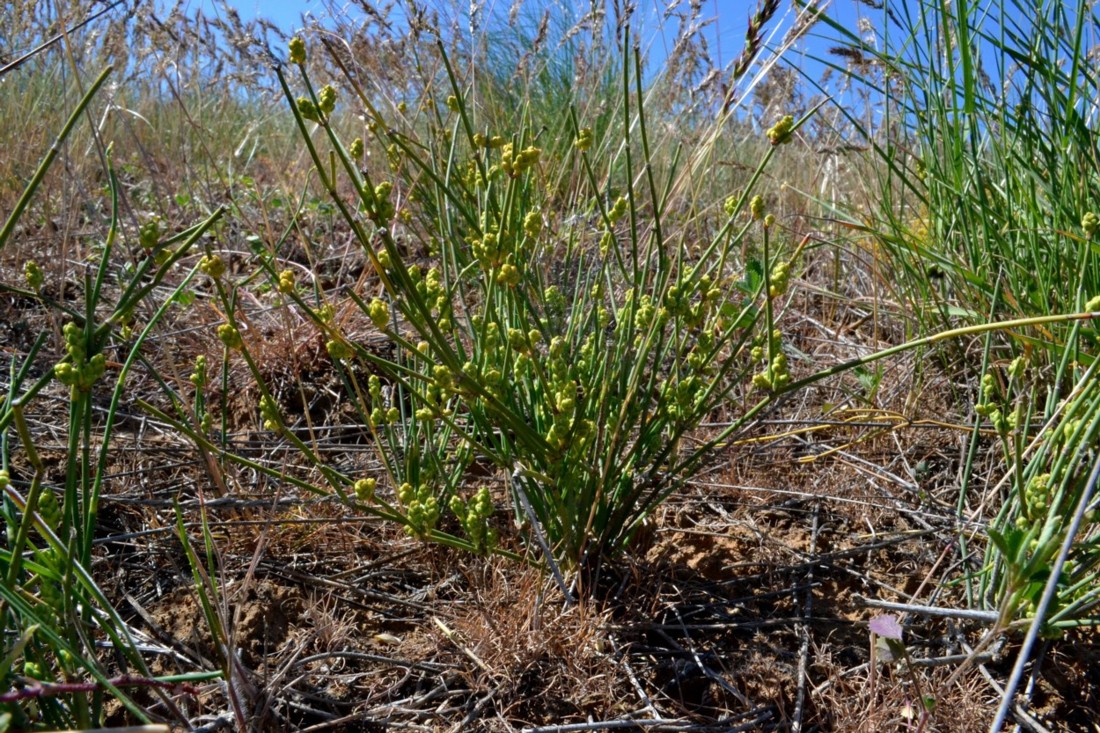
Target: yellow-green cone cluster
{"x": 355, "y": 150}
{"x": 756, "y": 207}
{"x": 269, "y": 412}
{"x": 775, "y": 375}
{"x": 380, "y": 414}
{"x": 364, "y": 489}
{"x": 33, "y": 275}
{"x": 584, "y": 139}
{"x": 149, "y": 233}
{"x": 780, "y": 133}
{"x": 213, "y": 266}
{"x": 1090, "y": 223}
{"x": 339, "y": 349}
{"x": 319, "y": 112}
{"x": 230, "y": 336}
{"x": 80, "y": 372}
{"x": 474, "y": 515}
{"x": 379, "y": 313}
{"x": 297, "y": 48}
{"x": 421, "y": 509}
{"x": 514, "y": 163}
{"x": 286, "y": 282}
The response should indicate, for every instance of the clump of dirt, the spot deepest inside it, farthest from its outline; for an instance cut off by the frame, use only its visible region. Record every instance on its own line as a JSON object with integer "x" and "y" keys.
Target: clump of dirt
{"x": 258, "y": 623}
{"x": 710, "y": 555}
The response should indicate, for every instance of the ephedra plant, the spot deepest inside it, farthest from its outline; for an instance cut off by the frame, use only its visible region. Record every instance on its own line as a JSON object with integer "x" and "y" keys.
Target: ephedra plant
{"x": 572, "y": 336}
{"x": 572, "y": 339}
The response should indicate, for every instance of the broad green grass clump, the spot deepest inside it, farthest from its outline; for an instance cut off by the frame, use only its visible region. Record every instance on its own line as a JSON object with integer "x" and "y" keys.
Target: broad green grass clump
{"x": 49, "y": 597}
{"x": 986, "y": 205}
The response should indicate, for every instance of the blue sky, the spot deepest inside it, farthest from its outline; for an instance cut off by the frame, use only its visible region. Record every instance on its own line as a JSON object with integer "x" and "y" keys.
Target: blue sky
{"x": 725, "y": 35}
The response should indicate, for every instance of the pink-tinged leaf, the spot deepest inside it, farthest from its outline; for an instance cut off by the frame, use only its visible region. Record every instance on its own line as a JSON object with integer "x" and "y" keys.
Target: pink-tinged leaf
{"x": 886, "y": 626}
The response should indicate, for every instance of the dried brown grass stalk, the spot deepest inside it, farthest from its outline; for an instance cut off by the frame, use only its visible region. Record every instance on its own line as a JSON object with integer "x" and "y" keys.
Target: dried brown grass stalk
{"x": 754, "y": 40}
{"x": 807, "y": 18}
{"x": 754, "y": 36}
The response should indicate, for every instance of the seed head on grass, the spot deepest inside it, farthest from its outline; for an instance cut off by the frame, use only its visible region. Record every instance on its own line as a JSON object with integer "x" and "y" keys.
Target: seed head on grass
{"x": 474, "y": 516}
{"x": 508, "y": 275}
{"x": 269, "y": 411}
{"x": 308, "y": 109}
{"x": 421, "y": 507}
{"x": 79, "y": 372}
{"x": 754, "y": 40}
{"x": 584, "y": 139}
{"x": 149, "y": 234}
{"x": 532, "y": 224}
{"x": 198, "y": 376}
{"x": 326, "y": 99}
{"x": 339, "y": 350}
{"x": 379, "y": 313}
{"x": 756, "y": 207}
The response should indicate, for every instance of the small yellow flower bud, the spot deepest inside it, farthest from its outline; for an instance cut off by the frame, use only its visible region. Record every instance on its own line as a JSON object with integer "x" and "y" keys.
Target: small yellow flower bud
{"x": 229, "y": 336}
{"x": 508, "y": 275}
{"x": 212, "y": 265}
{"x": 33, "y": 273}
{"x": 780, "y": 133}
{"x": 532, "y": 224}
{"x": 297, "y": 50}
{"x": 364, "y": 489}
{"x": 584, "y": 139}
{"x": 379, "y": 313}
{"x": 326, "y": 99}
{"x": 1090, "y": 222}
{"x": 308, "y": 110}
{"x": 618, "y": 210}
{"x": 149, "y": 234}
{"x": 286, "y": 282}
{"x": 756, "y": 207}
{"x": 339, "y": 350}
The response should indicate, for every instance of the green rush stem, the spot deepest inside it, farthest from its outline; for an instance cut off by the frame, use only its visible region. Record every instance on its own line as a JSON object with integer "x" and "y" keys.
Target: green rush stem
{"x": 936, "y": 338}
{"x": 692, "y": 461}
{"x": 769, "y": 313}
{"x": 32, "y": 495}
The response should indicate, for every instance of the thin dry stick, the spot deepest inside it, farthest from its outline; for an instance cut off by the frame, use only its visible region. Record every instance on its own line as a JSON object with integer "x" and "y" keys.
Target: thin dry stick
{"x": 804, "y": 628}
{"x": 989, "y": 617}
